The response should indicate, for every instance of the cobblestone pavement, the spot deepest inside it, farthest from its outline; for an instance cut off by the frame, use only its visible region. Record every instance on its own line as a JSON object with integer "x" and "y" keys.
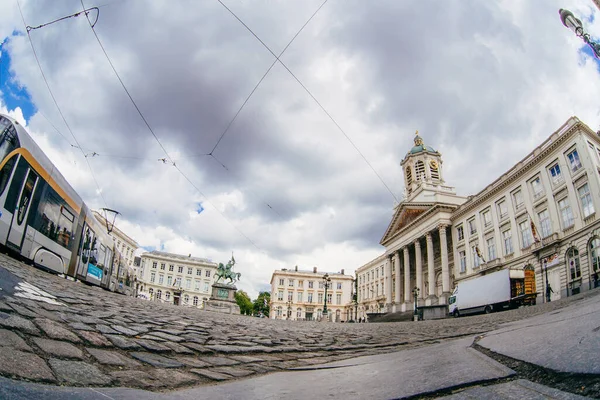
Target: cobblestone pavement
{"x": 86, "y": 336}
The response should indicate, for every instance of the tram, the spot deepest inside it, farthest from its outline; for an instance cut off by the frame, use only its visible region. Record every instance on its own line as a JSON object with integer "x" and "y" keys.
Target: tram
{"x": 43, "y": 219}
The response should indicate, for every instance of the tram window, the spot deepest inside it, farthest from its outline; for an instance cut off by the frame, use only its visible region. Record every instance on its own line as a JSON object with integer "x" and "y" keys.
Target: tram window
{"x": 54, "y": 220}
{"x": 5, "y": 173}
{"x": 26, "y": 196}
{"x": 8, "y": 137}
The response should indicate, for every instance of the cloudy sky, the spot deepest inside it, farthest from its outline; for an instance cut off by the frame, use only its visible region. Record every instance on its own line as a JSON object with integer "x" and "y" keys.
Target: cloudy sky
{"x": 484, "y": 82}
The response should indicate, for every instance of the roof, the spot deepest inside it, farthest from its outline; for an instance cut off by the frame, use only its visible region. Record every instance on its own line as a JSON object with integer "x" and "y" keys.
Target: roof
{"x": 177, "y": 256}
{"x": 418, "y": 149}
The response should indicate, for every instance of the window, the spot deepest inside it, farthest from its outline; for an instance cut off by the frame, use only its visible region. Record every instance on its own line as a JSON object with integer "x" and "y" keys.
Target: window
{"x": 545, "y": 224}
{"x": 472, "y": 227}
{"x": 167, "y": 295}
{"x": 280, "y": 295}
{"x": 301, "y": 284}
{"x": 197, "y": 285}
{"x": 152, "y": 277}
{"x": 463, "y": 261}
{"x": 566, "y": 214}
{"x": 291, "y": 282}
{"x": 279, "y": 311}
{"x": 188, "y": 283}
{"x": 573, "y": 263}
{"x": 190, "y": 270}
{"x": 329, "y": 298}
{"x": 299, "y": 297}
{"x": 299, "y": 313}
{"x": 419, "y": 170}
{"x": 207, "y": 274}
{"x": 310, "y": 297}
{"x": 574, "y": 161}
{"x": 186, "y": 299}
{"x": 169, "y": 280}
{"x": 321, "y": 285}
{"x": 507, "y": 238}
{"x": 338, "y": 298}
{"x": 491, "y": 247}
{"x": 476, "y": 260}
{"x": 586, "y": 200}
{"x": 195, "y": 302}
{"x": 159, "y": 294}
{"x": 310, "y": 284}
{"x": 518, "y": 198}
{"x": 460, "y": 232}
{"x": 502, "y": 209}
{"x": 339, "y": 286}
{"x": 180, "y": 269}
{"x": 54, "y": 220}
{"x": 486, "y": 217}
{"x": 205, "y": 286}
{"x": 377, "y": 273}
{"x": 555, "y": 174}
{"x": 290, "y": 296}
{"x": 171, "y": 268}
{"x": 526, "y": 238}
{"x": 177, "y": 282}
{"x": 595, "y": 254}
{"x": 320, "y": 298}
{"x": 154, "y": 264}
{"x": 408, "y": 178}
{"x": 537, "y": 188}
{"x": 162, "y": 266}
{"x": 198, "y": 272}
{"x": 161, "y": 278}
{"x": 281, "y": 282}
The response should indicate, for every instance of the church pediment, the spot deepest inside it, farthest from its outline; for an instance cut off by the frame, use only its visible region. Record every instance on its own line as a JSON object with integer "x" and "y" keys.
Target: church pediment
{"x": 404, "y": 216}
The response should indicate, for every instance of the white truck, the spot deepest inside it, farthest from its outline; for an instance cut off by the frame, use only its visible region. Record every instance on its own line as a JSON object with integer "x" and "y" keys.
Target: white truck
{"x": 495, "y": 291}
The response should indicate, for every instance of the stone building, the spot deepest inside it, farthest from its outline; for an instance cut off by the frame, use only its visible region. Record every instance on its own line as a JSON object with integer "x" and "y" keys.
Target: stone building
{"x": 538, "y": 216}
{"x": 300, "y": 295}
{"x": 177, "y": 279}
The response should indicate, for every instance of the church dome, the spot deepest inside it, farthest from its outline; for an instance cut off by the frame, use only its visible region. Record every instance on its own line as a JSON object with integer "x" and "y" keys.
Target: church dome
{"x": 420, "y": 146}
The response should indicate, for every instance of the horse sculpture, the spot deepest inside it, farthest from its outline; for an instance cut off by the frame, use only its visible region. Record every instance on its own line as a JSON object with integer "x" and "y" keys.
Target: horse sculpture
{"x": 226, "y": 272}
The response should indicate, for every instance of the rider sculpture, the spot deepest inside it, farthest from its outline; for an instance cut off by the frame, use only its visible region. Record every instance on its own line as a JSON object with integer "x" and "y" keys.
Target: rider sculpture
{"x": 226, "y": 272}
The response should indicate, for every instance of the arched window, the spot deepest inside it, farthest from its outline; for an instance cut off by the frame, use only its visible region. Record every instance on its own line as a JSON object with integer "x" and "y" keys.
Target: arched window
{"x": 279, "y": 311}
{"x": 419, "y": 171}
{"x": 186, "y": 299}
{"x": 434, "y": 170}
{"x": 573, "y": 263}
{"x": 167, "y": 296}
{"x": 150, "y": 291}
{"x": 595, "y": 254}
{"x": 195, "y": 301}
{"x": 299, "y": 313}
{"x": 408, "y": 176}
{"x": 159, "y": 294}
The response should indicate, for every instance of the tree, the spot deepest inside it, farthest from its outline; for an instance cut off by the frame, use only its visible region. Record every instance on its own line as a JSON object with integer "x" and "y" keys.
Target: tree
{"x": 262, "y": 303}
{"x": 243, "y": 301}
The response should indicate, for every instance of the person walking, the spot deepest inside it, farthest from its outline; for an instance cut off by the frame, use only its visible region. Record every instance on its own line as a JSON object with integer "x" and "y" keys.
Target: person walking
{"x": 549, "y": 291}
{"x": 595, "y": 278}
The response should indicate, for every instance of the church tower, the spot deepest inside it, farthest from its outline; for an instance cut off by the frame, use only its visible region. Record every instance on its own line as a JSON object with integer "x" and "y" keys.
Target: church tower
{"x": 423, "y": 173}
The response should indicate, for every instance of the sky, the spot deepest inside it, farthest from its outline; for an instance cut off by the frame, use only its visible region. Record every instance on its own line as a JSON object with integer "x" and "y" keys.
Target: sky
{"x": 309, "y": 172}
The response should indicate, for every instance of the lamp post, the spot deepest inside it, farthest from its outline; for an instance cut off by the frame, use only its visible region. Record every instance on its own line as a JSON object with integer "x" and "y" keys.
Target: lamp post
{"x": 416, "y": 296}
{"x": 355, "y": 299}
{"x": 289, "y": 309}
{"x": 573, "y": 23}
{"x": 547, "y": 282}
{"x": 326, "y": 280}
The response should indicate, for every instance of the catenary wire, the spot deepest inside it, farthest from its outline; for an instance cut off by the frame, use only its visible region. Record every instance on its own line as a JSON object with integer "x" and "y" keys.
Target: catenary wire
{"x": 58, "y": 107}
{"x": 313, "y": 97}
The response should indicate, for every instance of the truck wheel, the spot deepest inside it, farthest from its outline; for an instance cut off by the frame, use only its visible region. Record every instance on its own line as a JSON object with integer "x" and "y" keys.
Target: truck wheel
{"x": 488, "y": 309}
{"x": 456, "y": 314}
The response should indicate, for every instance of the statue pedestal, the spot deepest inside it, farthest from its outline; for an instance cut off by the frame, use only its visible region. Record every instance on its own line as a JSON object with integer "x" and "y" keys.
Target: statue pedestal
{"x": 222, "y": 299}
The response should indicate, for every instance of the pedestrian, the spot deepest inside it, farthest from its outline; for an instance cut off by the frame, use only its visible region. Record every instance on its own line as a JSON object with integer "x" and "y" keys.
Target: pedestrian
{"x": 548, "y": 292}
{"x": 595, "y": 277}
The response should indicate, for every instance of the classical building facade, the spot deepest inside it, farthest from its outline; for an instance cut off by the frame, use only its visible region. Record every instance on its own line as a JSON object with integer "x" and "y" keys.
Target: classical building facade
{"x": 538, "y": 216}
{"x": 300, "y": 295}
{"x": 177, "y": 279}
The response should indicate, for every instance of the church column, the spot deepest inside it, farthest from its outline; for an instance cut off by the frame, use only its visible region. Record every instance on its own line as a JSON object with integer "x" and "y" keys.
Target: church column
{"x": 431, "y": 298}
{"x": 445, "y": 266}
{"x": 388, "y": 283}
{"x": 407, "y": 292}
{"x": 419, "y": 268}
{"x": 397, "y": 281}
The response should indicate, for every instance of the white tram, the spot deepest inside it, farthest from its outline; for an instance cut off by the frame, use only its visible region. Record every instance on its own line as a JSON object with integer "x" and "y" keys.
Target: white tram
{"x": 42, "y": 218}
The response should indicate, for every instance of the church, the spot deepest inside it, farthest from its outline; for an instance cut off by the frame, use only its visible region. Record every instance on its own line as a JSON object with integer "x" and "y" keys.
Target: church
{"x": 539, "y": 217}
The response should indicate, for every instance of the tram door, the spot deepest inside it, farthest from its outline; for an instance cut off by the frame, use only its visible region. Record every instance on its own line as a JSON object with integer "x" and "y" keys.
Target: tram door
{"x": 18, "y": 225}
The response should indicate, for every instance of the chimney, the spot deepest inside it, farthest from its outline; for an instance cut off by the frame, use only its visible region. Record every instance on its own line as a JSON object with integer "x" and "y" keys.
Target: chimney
{"x": 296, "y": 269}
{"x": 342, "y": 271}
{"x": 314, "y": 270}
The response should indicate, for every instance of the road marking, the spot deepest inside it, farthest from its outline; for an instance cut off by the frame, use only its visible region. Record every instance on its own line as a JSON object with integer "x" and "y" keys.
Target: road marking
{"x": 28, "y": 291}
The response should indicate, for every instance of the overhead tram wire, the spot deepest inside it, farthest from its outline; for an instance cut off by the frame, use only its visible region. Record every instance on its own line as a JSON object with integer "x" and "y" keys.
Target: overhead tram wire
{"x": 28, "y": 29}
{"x": 313, "y": 97}
{"x": 161, "y": 145}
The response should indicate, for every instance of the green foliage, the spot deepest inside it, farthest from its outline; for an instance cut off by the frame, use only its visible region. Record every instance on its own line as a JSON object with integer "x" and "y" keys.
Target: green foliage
{"x": 259, "y": 303}
{"x": 243, "y": 301}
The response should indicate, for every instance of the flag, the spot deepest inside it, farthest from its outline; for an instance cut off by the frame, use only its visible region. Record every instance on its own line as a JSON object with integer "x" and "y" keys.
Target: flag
{"x": 479, "y": 253}
{"x": 536, "y": 238}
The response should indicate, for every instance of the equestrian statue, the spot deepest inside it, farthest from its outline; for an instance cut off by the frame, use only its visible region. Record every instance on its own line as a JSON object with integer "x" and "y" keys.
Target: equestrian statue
{"x": 226, "y": 272}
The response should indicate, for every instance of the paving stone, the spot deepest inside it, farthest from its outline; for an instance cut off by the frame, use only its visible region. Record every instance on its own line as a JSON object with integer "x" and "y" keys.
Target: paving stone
{"x": 58, "y": 348}
{"x": 125, "y": 331}
{"x": 20, "y": 323}
{"x": 153, "y": 346}
{"x": 56, "y": 330}
{"x": 16, "y": 363}
{"x": 106, "y": 329}
{"x": 24, "y": 311}
{"x": 131, "y": 378}
{"x": 95, "y": 339}
{"x": 215, "y": 376}
{"x": 198, "y": 347}
{"x": 78, "y": 372}
{"x": 112, "y": 358}
{"x": 177, "y": 348}
{"x": 260, "y": 368}
{"x": 247, "y": 359}
{"x": 80, "y": 326}
{"x": 152, "y": 337}
{"x": 167, "y": 336}
{"x": 238, "y": 372}
{"x": 193, "y": 362}
{"x": 156, "y": 360}
{"x": 173, "y": 378}
{"x": 12, "y": 340}
{"x": 123, "y": 343}
{"x": 5, "y": 307}
{"x": 219, "y": 361}
{"x": 242, "y": 349}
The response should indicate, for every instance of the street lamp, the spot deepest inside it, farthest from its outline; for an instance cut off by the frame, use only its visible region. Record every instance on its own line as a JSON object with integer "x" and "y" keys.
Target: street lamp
{"x": 574, "y": 24}
{"x": 289, "y": 309}
{"x": 326, "y": 280}
{"x": 547, "y": 283}
{"x": 416, "y": 295}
